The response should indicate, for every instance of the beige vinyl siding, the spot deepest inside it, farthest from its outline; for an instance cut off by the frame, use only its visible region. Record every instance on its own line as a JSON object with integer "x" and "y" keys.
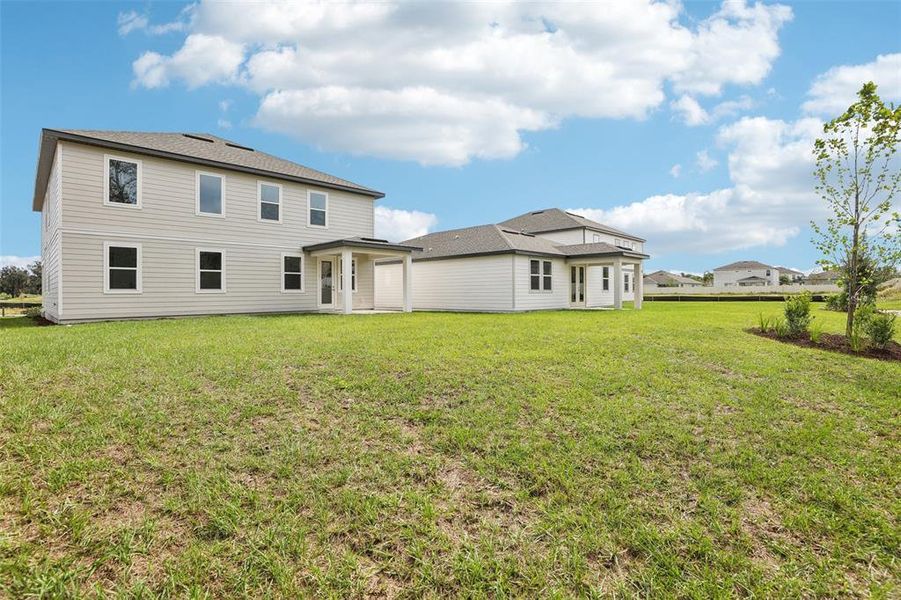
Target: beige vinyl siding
{"x": 170, "y": 232}
{"x": 586, "y": 236}
{"x": 567, "y": 236}
{"x": 252, "y": 280}
{"x": 168, "y": 190}
{"x": 527, "y": 299}
{"x": 596, "y": 294}
{"x": 478, "y": 284}
{"x": 389, "y": 285}
{"x": 364, "y": 296}
{"x": 51, "y": 217}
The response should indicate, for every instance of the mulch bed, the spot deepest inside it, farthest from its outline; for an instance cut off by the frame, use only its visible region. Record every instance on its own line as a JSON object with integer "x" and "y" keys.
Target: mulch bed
{"x": 833, "y": 343}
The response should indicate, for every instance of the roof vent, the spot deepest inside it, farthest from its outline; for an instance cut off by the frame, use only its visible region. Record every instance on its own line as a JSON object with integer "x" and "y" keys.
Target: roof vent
{"x": 457, "y": 237}
{"x": 574, "y": 215}
{"x": 538, "y": 212}
{"x": 238, "y": 146}
{"x": 379, "y": 240}
{"x": 197, "y": 137}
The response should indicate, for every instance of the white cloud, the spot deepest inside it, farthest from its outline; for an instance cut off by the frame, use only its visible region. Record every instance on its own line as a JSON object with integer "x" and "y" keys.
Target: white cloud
{"x": 736, "y": 45}
{"x": 770, "y": 200}
{"x": 704, "y": 161}
{"x": 836, "y": 89}
{"x": 676, "y": 170}
{"x": 396, "y": 225}
{"x": 203, "y": 59}
{"x": 690, "y": 111}
{"x": 223, "y": 123}
{"x": 133, "y": 21}
{"x": 448, "y": 82}
{"x": 130, "y": 21}
{"x": 17, "y": 261}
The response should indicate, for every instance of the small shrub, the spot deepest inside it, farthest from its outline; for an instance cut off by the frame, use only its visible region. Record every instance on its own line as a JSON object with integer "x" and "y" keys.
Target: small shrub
{"x": 32, "y": 312}
{"x": 816, "y": 333}
{"x": 4, "y": 296}
{"x": 862, "y": 316}
{"x": 780, "y": 327}
{"x": 797, "y": 313}
{"x": 837, "y": 302}
{"x": 764, "y": 323}
{"x": 880, "y": 328}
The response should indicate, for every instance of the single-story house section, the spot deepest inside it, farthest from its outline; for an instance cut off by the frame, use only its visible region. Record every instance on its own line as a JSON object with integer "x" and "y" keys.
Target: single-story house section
{"x": 745, "y": 273}
{"x": 548, "y": 259}
{"x": 665, "y": 279}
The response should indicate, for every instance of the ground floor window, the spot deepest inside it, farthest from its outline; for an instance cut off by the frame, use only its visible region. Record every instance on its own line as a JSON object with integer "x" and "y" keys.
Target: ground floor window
{"x": 540, "y": 275}
{"x": 605, "y": 278}
{"x": 625, "y": 282}
{"x": 353, "y": 275}
{"x": 292, "y": 273}
{"x": 121, "y": 268}
{"x": 210, "y": 270}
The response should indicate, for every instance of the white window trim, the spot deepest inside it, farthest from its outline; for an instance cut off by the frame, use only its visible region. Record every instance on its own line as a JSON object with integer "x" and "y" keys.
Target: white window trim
{"x": 106, "y": 200}
{"x": 197, "y": 210}
{"x": 281, "y": 203}
{"x": 197, "y": 289}
{"x": 310, "y": 209}
{"x": 541, "y": 289}
{"x": 283, "y": 272}
{"x": 353, "y": 279}
{"x": 106, "y": 267}
{"x": 319, "y": 303}
{"x": 605, "y": 279}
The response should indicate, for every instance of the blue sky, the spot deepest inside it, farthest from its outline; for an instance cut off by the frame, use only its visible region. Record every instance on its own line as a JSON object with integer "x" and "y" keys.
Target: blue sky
{"x": 689, "y": 125}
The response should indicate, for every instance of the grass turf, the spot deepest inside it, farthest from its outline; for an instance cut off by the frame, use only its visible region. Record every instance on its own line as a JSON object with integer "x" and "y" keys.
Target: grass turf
{"x": 655, "y": 452}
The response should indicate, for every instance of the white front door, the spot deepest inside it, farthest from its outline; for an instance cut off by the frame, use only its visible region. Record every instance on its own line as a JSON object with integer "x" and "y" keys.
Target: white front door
{"x": 326, "y": 283}
{"x": 577, "y": 285}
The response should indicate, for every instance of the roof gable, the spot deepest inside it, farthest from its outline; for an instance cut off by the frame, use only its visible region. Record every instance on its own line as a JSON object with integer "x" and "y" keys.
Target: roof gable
{"x": 743, "y": 265}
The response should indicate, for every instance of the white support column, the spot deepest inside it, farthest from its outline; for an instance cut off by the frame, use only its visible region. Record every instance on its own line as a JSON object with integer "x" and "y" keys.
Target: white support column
{"x": 408, "y": 283}
{"x": 638, "y": 285}
{"x": 347, "y": 281}
{"x": 617, "y": 283}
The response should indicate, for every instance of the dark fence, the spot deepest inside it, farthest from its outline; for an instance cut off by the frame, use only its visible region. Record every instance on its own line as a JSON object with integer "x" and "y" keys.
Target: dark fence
{"x": 727, "y": 298}
{"x": 6, "y": 304}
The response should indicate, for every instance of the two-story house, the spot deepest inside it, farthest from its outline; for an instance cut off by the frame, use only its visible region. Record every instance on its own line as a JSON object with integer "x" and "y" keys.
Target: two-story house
{"x": 544, "y": 259}
{"x": 745, "y": 273}
{"x": 138, "y": 225}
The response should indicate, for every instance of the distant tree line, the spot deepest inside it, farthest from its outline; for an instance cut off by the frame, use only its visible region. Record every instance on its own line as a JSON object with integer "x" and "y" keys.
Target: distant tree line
{"x": 15, "y": 281}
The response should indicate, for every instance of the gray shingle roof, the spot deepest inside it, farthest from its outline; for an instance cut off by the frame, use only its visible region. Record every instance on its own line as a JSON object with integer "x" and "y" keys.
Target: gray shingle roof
{"x": 787, "y": 271}
{"x": 665, "y": 278}
{"x": 361, "y": 242}
{"x": 555, "y": 219}
{"x": 496, "y": 239}
{"x": 743, "y": 264}
{"x": 191, "y": 147}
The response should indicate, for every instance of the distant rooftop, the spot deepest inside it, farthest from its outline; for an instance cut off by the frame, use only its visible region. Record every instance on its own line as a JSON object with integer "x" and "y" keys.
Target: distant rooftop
{"x": 743, "y": 264}
{"x": 555, "y": 219}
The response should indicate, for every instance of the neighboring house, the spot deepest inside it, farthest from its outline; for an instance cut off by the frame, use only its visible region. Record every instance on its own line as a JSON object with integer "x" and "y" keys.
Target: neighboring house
{"x": 162, "y": 224}
{"x": 546, "y": 259}
{"x": 665, "y": 279}
{"x": 745, "y": 273}
{"x": 793, "y": 276}
{"x": 824, "y": 278}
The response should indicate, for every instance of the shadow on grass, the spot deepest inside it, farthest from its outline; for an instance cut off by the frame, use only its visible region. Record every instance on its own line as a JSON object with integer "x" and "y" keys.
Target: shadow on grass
{"x": 16, "y": 322}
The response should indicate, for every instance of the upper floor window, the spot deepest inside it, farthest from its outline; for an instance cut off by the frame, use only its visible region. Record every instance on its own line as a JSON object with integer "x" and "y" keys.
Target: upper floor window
{"x": 270, "y": 195}
{"x": 318, "y": 213}
{"x": 210, "y": 270}
{"x": 596, "y": 238}
{"x": 122, "y": 182}
{"x": 121, "y": 268}
{"x": 210, "y": 194}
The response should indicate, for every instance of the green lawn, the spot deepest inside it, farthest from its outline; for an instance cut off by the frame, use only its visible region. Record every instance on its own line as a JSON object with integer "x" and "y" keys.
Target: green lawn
{"x": 656, "y": 452}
